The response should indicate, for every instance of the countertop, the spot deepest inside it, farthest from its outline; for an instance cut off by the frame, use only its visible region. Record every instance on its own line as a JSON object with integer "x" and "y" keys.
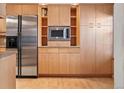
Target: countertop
{"x": 6, "y": 54}
{"x": 59, "y": 47}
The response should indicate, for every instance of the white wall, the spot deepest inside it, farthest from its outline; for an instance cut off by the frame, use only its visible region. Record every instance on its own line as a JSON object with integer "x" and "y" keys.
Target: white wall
{"x": 119, "y": 46}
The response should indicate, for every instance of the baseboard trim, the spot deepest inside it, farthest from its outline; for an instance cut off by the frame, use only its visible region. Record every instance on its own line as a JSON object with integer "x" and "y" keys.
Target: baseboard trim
{"x": 77, "y": 75}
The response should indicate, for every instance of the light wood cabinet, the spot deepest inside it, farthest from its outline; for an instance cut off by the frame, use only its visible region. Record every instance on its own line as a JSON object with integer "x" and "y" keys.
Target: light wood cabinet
{"x": 104, "y": 14}
{"x": 87, "y": 14}
{"x": 43, "y": 63}
{"x": 64, "y": 15}
{"x": 53, "y": 15}
{"x": 87, "y": 45}
{"x": 8, "y": 71}
{"x": 74, "y": 64}
{"x": 104, "y": 50}
{"x": 22, "y": 9}
{"x": 31, "y": 9}
{"x": 59, "y": 61}
{"x": 13, "y": 9}
{"x": 96, "y": 40}
{"x": 53, "y": 61}
{"x": 64, "y": 63}
{"x": 2, "y": 10}
{"x": 56, "y": 16}
{"x": 2, "y": 25}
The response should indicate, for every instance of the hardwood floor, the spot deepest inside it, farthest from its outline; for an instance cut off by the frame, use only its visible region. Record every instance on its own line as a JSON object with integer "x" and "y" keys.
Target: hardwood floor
{"x": 65, "y": 83}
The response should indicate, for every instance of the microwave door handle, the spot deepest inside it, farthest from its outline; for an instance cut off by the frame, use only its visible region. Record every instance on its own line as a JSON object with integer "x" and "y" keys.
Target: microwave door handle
{"x": 65, "y": 34}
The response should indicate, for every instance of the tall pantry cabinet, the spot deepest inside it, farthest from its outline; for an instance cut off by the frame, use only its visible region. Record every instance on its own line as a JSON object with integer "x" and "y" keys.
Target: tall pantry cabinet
{"x": 96, "y": 41}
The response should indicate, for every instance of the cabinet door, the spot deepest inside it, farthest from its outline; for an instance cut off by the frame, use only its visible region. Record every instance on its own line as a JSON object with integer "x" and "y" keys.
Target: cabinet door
{"x": 13, "y": 9}
{"x": 64, "y": 63}
{"x": 53, "y": 15}
{"x": 74, "y": 64}
{"x": 30, "y": 9}
{"x": 53, "y": 60}
{"x": 2, "y": 10}
{"x": 2, "y": 25}
{"x": 104, "y": 50}
{"x": 43, "y": 63}
{"x": 87, "y": 14}
{"x": 104, "y": 14}
{"x": 64, "y": 15}
{"x": 87, "y": 47}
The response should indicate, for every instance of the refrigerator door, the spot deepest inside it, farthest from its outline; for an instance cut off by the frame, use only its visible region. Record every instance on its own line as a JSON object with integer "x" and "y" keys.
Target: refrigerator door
{"x": 12, "y": 31}
{"x": 29, "y": 51}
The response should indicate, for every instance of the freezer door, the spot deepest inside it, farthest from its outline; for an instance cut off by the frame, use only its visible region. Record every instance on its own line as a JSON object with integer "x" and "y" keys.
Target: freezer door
{"x": 12, "y": 25}
{"x": 12, "y": 30}
{"x": 29, "y": 52}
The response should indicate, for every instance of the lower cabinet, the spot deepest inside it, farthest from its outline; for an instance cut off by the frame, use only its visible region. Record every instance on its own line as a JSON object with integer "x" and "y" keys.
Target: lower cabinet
{"x": 59, "y": 62}
{"x": 53, "y": 63}
{"x": 68, "y": 62}
{"x": 64, "y": 63}
{"x": 43, "y": 64}
{"x": 74, "y": 64}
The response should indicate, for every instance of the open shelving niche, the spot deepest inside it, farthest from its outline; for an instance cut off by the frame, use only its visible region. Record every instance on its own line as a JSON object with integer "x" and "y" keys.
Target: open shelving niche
{"x": 44, "y": 25}
{"x": 73, "y": 22}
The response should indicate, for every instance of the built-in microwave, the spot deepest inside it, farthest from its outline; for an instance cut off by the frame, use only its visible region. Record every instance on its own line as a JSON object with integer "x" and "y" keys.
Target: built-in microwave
{"x": 59, "y": 33}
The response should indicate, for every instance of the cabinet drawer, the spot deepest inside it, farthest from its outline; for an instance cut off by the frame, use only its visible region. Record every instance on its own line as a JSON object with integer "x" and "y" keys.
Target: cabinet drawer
{"x": 74, "y": 50}
{"x": 43, "y": 50}
{"x": 52, "y": 50}
{"x": 64, "y": 50}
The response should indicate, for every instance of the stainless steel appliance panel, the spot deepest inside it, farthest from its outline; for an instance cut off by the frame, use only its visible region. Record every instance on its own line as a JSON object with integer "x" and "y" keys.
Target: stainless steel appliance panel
{"x": 12, "y": 25}
{"x": 29, "y": 46}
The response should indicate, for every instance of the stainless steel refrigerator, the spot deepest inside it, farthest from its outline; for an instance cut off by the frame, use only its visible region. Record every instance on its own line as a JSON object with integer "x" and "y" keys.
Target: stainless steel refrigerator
{"x": 25, "y": 28}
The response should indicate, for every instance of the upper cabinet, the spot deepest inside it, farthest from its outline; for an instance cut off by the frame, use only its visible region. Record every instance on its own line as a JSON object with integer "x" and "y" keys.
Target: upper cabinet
{"x": 96, "y": 14}
{"x": 53, "y": 15}
{"x": 104, "y": 14}
{"x": 58, "y": 15}
{"x": 87, "y": 13}
{"x": 31, "y": 9}
{"x": 2, "y": 10}
{"x": 13, "y": 9}
{"x": 64, "y": 15}
{"x": 22, "y": 9}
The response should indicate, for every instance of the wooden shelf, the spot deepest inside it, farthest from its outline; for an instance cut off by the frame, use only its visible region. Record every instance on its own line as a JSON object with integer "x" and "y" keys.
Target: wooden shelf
{"x": 73, "y": 22}
{"x": 73, "y": 16}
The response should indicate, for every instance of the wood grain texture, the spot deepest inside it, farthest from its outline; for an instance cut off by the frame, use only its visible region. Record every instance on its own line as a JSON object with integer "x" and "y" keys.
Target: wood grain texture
{"x": 87, "y": 14}
{"x": 2, "y": 10}
{"x": 56, "y": 16}
{"x": 104, "y": 14}
{"x": 8, "y": 72}
{"x": 2, "y": 25}
{"x": 29, "y": 9}
{"x": 13, "y": 9}
{"x": 59, "y": 43}
{"x": 21, "y": 9}
{"x": 64, "y": 15}
{"x": 97, "y": 39}
{"x": 87, "y": 45}
{"x": 65, "y": 83}
{"x": 54, "y": 61}
{"x": 53, "y": 15}
{"x": 104, "y": 50}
